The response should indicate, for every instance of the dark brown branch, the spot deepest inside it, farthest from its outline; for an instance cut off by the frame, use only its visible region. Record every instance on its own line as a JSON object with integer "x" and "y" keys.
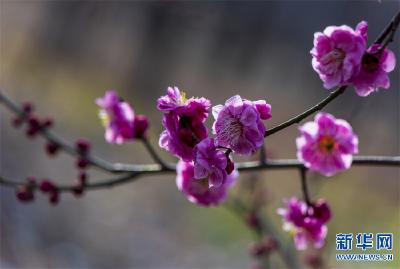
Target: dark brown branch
{"x": 154, "y": 154}
{"x": 387, "y": 34}
{"x": 389, "y": 31}
{"x": 151, "y": 169}
{"x": 304, "y": 186}
{"x": 306, "y": 113}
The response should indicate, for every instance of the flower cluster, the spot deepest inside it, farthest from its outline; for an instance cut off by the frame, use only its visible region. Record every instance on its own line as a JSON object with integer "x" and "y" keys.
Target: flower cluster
{"x": 183, "y": 121}
{"x": 340, "y": 57}
{"x": 198, "y": 190}
{"x": 306, "y": 222}
{"x": 326, "y": 144}
{"x": 238, "y": 128}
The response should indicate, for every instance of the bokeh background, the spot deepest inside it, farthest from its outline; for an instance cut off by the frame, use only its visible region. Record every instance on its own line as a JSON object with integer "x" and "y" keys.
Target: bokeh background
{"x": 63, "y": 54}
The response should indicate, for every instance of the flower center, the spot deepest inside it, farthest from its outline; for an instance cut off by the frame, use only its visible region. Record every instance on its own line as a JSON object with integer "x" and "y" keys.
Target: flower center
{"x": 234, "y": 128}
{"x": 185, "y": 132}
{"x": 336, "y": 57}
{"x": 203, "y": 182}
{"x": 327, "y": 144}
{"x": 370, "y": 62}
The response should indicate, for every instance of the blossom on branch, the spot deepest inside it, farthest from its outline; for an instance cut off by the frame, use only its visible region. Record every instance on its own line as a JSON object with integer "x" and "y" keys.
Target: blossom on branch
{"x": 183, "y": 121}
{"x": 306, "y": 223}
{"x": 198, "y": 190}
{"x": 326, "y": 144}
{"x": 211, "y": 163}
{"x": 117, "y": 117}
{"x": 375, "y": 66}
{"x": 337, "y": 53}
{"x": 238, "y": 124}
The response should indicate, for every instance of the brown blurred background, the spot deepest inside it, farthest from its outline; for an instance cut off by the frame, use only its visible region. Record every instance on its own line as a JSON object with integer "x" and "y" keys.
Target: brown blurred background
{"x": 62, "y": 55}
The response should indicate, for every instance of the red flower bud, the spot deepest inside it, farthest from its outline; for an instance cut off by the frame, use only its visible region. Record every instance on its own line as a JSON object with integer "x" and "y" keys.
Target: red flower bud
{"x": 47, "y": 123}
{"x": 33, "y": 126}
{"x": 141, "y": 124}
{"x": 24, "y": 194}
{"x": 82, "y": 145}
{"x": 82, "y": 178}
{"x": 54, "y": 197}
{"x": 77, "y": 189}
{"x": 27, "y": 107}
{"x": 253, "y": 221}
{"x": 229, "y": 166}
{"x": 47, "y": 186}
{"x": 52, "y": 148}
{"x": 82, "y": 163}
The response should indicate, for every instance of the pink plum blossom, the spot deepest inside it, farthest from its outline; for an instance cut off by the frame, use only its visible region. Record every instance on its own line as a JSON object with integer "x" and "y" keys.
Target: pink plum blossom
{"x": 238, "y": 124}
{"x": 198, "y": 191}
{"x": 326, "y": 144}
{"x": 117, "y": 117}
{"x": 337, "y": 53}
{"x": 306, "y": 223}
{"x": 376, "y": 63}
{"x": 209, "y": 162}
{"x": 183, "y": 121}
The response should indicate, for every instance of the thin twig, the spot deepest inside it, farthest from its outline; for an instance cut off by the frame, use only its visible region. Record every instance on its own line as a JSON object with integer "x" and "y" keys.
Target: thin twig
{"x": 389, "y": 31}
{"x": 306, "y": 113}
{"x": 304, "y": 186}
{"x": 154, "y": 154}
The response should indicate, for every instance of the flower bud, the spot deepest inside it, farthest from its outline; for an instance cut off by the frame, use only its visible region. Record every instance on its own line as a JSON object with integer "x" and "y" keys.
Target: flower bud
{"x": 140, "y": 126}
{"x": 24, "y": 194}
{"x": 54, "y": 197}
{"x": 82, "y": 146}
{"x": 27, "y": 107}
{"x": 47, "y": 123}
{"x": 47, "y": 186}
{"x": 229, "y": 166}
{"x": 253, "y": 221}
{"x": 52, "y": 148}
{"x": 82, "y": 163}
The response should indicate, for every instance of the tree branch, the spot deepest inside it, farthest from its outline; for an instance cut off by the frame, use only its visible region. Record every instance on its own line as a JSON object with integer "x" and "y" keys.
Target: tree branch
{"x": 70, "y": 149}
{"x": 306, "y": 113}
{"x": 152, "y": 169}
{"x": 304, "y": 187}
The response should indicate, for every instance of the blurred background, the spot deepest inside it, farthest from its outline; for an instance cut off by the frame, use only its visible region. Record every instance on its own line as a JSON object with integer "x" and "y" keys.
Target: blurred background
{"x": 63, "y": 54}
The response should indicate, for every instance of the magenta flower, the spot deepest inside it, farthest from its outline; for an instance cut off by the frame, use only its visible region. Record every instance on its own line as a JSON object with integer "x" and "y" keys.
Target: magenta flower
{"x": 376, "y": 63}
{"x": 306, "y": 223}
{"x": 327, "y": 144}
{"x": 209, "y": 162}
{"x": 117, "y": 117}
{"x": 238, "y": 124}
{"x": 198, "y": 190}
{"x": 184, "y": 122}
{"x": 337, "y": 53}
